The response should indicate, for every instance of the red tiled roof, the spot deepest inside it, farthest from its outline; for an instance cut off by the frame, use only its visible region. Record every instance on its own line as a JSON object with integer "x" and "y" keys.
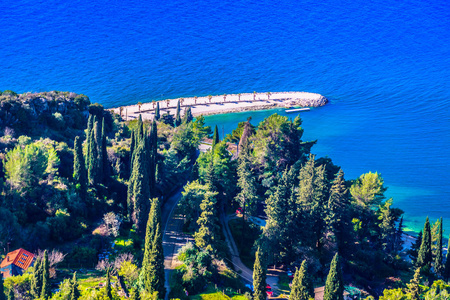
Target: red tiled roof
{"x": 20, "y": 257}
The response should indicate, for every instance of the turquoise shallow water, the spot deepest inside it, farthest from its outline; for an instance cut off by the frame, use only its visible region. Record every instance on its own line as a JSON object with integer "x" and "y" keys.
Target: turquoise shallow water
{"x": 383, "y": 64}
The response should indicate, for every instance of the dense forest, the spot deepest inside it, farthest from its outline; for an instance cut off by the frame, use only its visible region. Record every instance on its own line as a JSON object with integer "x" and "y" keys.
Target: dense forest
{"x": 85, "y": 191}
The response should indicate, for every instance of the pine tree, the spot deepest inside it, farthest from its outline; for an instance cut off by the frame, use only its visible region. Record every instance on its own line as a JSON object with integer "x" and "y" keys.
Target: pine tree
{"x": 446, "y": 271}
{"x": 178, "y": 115}
{"x": 247, "y": 196}
{"x": 414, "y": 286}
{"x": 46, "y": 289}
{"x": 337, "y": 209}
{"x": 187, "y": 118}
{"x": 2, "y": 288}
{"x": 74, "y": 290}
{"x": 108, "y": 290}
{"x": 425, "y": 257}
{"x": 36, "y": 279}
{"x": 302, "y": 288}
{"x": 259, "y": 277}
{"x": 93, "y": 159}
{"x": 157, "y": 113}
{"x": 138, "y": 187}
{"x": 206, "y": 237}
{"x": 79, "y": 168}
{"x": 104, "y": 152}
{"x": 334, "y": 286}
{"x": 438, "y": 267}
{"x": 215, "y": 139}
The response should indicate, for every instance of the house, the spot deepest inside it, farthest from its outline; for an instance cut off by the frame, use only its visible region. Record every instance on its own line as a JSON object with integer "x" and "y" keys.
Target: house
{"x": 16, "y": 262}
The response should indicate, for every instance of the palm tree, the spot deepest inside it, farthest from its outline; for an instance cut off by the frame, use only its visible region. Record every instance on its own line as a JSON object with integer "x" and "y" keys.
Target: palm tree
{"x": 254, "y": 95}
{"x": 195, "y": 99}
{"x": 181, "y": 101}
{"x": 168, "y": 102}
{"x": 209, "y": 98}
{"x": 224, "y": 97}
{"x": 268, "y": 95}
{"x": 139, "y": 105}
{"x": 120, "y": 111}
{"x": 239, "y": 97}
{"x": 153, "y": 103}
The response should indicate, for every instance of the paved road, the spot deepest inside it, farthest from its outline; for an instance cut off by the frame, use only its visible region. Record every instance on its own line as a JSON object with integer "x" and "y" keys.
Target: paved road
{"x": 173, "y": 237}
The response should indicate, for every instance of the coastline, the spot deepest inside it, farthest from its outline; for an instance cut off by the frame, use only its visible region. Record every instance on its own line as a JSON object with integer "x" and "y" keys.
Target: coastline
{"x": 220, "y": 104}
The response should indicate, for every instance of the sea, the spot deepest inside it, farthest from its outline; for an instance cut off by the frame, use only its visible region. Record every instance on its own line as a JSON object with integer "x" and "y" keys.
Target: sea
{"x": 383, "y": 64}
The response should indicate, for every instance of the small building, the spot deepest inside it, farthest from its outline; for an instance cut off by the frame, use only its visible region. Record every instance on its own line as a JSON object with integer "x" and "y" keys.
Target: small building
{"x": 16, "y": 262}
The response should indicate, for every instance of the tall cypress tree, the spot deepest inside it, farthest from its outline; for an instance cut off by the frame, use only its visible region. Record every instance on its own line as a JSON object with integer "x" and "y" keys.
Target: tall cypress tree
{"x": 46, "y": 290}
{"x": 446, "y": 272}
{"x": 187, "y": 118}
{"x": 93, "y": 158}
{"x": 438, "y": 267}
{"x": 206, "y": 237}
{"x": 139, "y": 130}
{"x": 215, "y": 139}
{"x": 178, "y": 115}
{"x": 90, "y": 126}
{"x": 259, "y": 277}
{"x": 414, "y": 285}
{"x": 36, "y": 279}
{"x": 425, "y": 256}
{"x": 152, "y": 275}
{"x": 108, "y": 291}
{"x": 74, "y": 293}
{"x": 104, "y": 152}
{"x": 157, "y": 113}
{"x": 79, "y": 168}
{"x": 334, "y": 286}
{"x": 153, "y": 156}
{"x": 302, "y": 288}
{"x": 2, "y": 288}
{"x": 138, "y": 187}
{"x": 98, "y": 142}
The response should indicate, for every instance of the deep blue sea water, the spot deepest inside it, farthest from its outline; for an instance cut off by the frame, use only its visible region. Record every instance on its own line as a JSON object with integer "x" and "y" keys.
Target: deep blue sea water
{"x": 385, "y": 66}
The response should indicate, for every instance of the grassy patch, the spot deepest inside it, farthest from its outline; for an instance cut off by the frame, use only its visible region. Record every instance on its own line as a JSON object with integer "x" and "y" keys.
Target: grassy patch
{"x": 212, "y": 294}
{"x": 244, "y": 236}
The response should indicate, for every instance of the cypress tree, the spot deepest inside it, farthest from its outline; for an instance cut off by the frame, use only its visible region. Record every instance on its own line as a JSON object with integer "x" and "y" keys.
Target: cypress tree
{"x": 178, "y": 115}
{"x": 438, "y": 267}
{"x": 153, "y": 156}
{"x": 74, "y": 290}
{"x": 206, "y": 236}
{"x": 132, "y": 148}
{"x": 138, "y": 187}
{"x": 247, "y": 196}
{"x": 93, "y": 159}
{"x": 215, "y": 139}
{"x": 98, "y": 142}
{"x": 79, "y": 168}
{"x": 11, "y": 295}
{"x": 446, "y": 272}
{"x": 413, "y": 252}
{"x": 104, "y": 152}
{"x": 334, "y": 286}
{"x": 152, "y": 275}
{"x": 108, "y": 291}
{"x": 259, "y": 277}
{"x": 2, "y": 288}
{"x": 140, "y": 129}
{"x": 46, "y": 290}
{"x": 90, "y": 126}
{"x": 425, "y": 257}
{"x": 187, "y": 118}
{"x": 36, "y": 279}
{"x": 157, "y": 113}
{"x": 302, "y": 288}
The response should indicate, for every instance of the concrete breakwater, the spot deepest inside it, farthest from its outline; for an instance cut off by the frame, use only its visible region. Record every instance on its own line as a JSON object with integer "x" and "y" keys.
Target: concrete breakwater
{"x": 220, "y": 104}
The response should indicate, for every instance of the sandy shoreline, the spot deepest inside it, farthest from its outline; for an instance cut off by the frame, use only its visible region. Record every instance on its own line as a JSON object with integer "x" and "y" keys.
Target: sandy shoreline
{"x": 220, "y": 104}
